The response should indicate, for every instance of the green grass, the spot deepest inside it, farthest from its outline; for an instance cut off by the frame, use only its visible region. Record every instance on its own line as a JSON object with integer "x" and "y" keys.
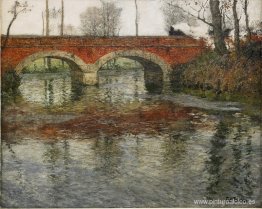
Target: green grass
{"x": 39, "y": 66}
{"x": 121, "y": 64}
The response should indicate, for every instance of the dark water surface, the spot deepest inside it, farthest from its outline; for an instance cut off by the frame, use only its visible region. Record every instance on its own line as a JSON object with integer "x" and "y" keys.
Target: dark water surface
{"x": 122, "y": 145}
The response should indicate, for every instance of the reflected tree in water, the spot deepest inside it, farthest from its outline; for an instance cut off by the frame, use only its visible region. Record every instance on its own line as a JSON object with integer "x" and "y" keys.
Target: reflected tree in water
{"x": 217, "y": 158}
{"x": 108, "y": 156}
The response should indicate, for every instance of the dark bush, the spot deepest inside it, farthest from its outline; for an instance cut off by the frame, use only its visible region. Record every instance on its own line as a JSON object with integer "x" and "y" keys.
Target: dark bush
{"x": 10, "y": 83}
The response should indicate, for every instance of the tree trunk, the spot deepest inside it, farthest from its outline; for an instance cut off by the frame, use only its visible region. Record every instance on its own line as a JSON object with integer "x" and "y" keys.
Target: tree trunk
{"x": 62, "y": 19}
{"x": 219, "y": 41}
{"x": 49, "y": 64}
{"x": 236, "y": 25}
{"x": 47, "y": 18}
{"x": 8, "y": 32}
{"x": 43, "y": 24}
{"x": 62, "y": 25}
{"x": 48, "y": 61}
{"x": 136, "y": 21}
{"x": 247, "y": 21}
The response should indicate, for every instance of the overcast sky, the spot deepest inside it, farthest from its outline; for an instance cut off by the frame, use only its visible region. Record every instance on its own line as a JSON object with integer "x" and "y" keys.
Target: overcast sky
{"x": 151, "y": 17}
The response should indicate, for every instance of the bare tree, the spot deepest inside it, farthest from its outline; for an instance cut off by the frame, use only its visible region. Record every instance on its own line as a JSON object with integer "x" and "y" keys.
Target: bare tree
{"x": 104, "y": 21}
{"x": 55, "y": 21}
{"x": 219, "y": 41}
{"x": 43, "y": 24}
{"x": 111, "y": 18}
{"x": 62, "y": 24}
{"x": 236, "y": 27}
{"x": 197, "y": 9}
{"x": 225, "y": 10}
{"x": 62, "y": 18}
{"x": 91, "y": 22}
{"x": 245, "y": 7}
{"x": 200, "y": 9}
{"x": 47, "y": 17}
{"x": 137, "y": 18}
{"x": 16, "y": 9}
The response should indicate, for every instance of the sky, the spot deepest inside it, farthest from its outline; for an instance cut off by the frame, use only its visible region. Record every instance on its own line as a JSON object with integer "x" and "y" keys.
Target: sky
{"x": 151, "y": 16}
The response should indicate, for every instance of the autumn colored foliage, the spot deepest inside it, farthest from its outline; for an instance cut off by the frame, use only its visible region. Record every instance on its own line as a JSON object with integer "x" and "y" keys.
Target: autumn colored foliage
{"x": 223, "y": 73}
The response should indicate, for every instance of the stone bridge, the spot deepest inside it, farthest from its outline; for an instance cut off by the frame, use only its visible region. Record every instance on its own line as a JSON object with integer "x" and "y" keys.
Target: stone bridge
{"x": 86, "y": 55}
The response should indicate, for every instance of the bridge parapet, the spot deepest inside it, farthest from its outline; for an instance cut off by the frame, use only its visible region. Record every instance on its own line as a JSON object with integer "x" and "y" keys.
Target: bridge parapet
{"x": 80, "y": 41}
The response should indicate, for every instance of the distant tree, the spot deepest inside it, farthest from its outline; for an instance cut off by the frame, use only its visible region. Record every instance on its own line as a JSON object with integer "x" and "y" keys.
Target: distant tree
{"x": 69, "y": 30}
{"x": 111, "y": 18}
{"x": 62, "y": 18}
{"x": 55, "y": 21}
{"x": 47, "y": 29}
{"x": 51, "y": 22}
{"x": 62, "y": 24}
{"x": 43, "y": 24}
{"x": 137, "y": 18}
{"x": 15, "y": 10}
{"x": 103, "y": 21}
{"x": 91, "y": 22}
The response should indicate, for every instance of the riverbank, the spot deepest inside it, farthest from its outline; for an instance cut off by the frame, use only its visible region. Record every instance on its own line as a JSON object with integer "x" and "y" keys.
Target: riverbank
{"x": 226, "y": 78}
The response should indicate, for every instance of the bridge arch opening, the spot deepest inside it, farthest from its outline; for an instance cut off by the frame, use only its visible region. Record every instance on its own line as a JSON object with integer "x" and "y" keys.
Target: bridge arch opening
{"x": 74, "y": 62}
{"x": 156, "y": 70}
{"x": 51, "y": 85}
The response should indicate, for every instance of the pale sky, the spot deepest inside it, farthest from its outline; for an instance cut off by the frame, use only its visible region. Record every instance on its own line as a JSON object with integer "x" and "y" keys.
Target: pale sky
{"x": 151, "y": 17}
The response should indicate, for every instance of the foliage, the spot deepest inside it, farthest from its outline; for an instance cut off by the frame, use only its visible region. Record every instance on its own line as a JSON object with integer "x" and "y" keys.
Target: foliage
{"x": 120, "y": 64}
{"x": 223, "y": 75}
{"x": 9, "y": 87}
{"x": 16, "y": 9}
{"x": 103, "y": 21}
{"x": 39, "y": 66}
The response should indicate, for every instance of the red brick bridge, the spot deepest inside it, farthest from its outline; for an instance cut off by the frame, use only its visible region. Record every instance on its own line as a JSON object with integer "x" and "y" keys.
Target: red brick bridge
{"x": 86, "y": 55}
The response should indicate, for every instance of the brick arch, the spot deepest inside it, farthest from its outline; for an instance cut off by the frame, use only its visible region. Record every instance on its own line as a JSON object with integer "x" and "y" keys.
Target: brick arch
{"x": 74, "y": 62}
{"x": 145, "y": 58}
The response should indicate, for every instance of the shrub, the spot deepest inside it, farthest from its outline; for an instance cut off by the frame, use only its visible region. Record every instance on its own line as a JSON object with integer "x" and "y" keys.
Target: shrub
{"x": 226, "y": 74}
{"x": 9, "y": 86}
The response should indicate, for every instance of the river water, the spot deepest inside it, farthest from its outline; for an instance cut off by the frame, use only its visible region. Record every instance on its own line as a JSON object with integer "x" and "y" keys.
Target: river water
{"x": 124, "y": 144}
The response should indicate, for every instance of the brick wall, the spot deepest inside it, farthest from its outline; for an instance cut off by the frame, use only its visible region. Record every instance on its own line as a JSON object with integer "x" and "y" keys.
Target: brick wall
{"x": 173, "y": 50}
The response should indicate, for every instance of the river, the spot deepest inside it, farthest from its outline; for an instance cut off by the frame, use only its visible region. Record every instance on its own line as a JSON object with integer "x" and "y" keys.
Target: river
{"x": 124, "y": 144}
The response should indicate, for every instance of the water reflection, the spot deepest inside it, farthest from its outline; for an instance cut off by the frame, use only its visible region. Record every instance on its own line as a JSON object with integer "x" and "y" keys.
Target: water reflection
{"x": 217, "y": 158}
{"x": 230, "y": 161}
{"x": 184, "y": 158}
{"x": 115, "y": 86}
{"x": 108, "y": 156}
{"x": 46, "y": 88}
{"x": 118, "y": 86}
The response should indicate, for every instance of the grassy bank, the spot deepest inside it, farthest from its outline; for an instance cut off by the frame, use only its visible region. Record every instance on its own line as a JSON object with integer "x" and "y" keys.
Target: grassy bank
{"x": 121, "y": 64}
{"x": 225, "y": 77}
{"x": 41, "y": 66}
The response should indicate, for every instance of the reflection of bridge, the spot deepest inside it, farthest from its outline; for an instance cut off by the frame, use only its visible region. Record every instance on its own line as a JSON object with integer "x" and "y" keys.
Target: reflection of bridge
{"x": 86, "y": 55}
